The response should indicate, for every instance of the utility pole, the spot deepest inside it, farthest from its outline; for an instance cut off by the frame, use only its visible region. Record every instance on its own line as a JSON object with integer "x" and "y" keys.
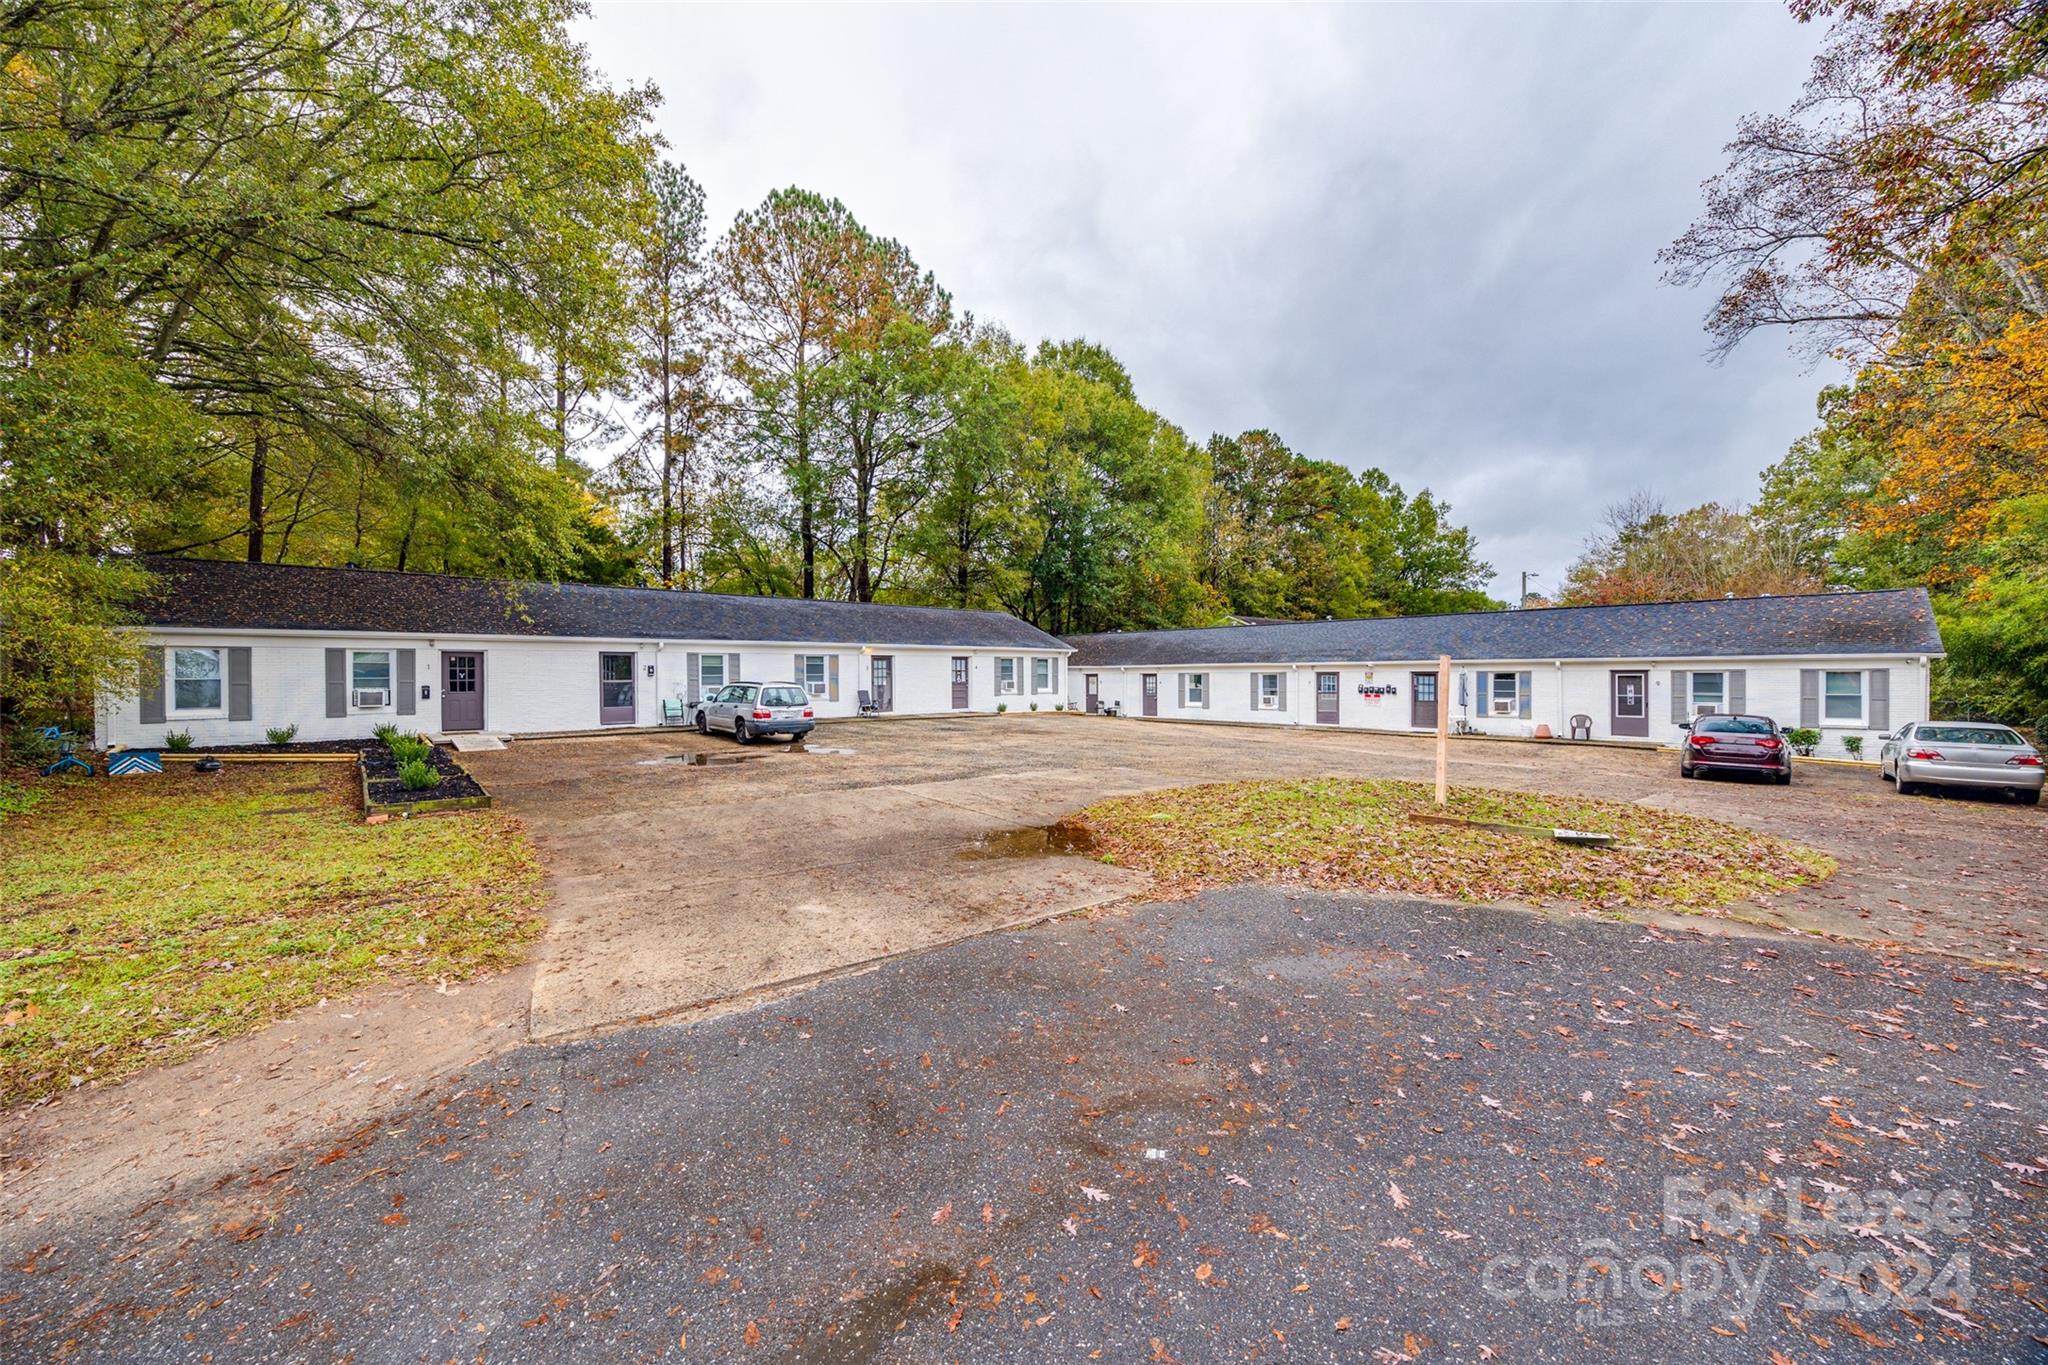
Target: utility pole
{"x": 1523, "y": 600}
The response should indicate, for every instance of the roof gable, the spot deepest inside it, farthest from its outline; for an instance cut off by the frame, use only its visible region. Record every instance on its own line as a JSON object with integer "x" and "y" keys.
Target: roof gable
{"x": 228, "y": 595}
{"x": 1845, "y": 623}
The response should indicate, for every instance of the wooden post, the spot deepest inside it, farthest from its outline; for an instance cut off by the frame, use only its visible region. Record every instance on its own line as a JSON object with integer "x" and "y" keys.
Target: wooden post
{"x": 1443, "y": 729}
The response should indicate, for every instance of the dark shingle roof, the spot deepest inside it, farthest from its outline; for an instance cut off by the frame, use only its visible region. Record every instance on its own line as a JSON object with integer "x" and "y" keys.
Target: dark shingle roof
{"x": 1897, "y": 622}
{"x": 231, "y": 595}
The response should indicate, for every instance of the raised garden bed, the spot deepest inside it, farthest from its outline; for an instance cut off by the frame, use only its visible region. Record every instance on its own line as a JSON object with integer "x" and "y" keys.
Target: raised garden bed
{"x": 384, "y": 794}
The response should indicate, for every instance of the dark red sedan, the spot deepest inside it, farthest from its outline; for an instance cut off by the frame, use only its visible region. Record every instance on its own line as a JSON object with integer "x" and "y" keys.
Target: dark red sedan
{"x": 1736, "y": 744}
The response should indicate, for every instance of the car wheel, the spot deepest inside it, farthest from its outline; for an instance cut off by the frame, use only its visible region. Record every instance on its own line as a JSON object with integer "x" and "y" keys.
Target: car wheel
{"x": 703, "y": 725}
{"x": 2032, "y": 798}
{"x": 1902, "y": 786}
{"x": 1684, "y": 771}
{"x": 1784, "y": 779}
{"x": 739, "y": 731}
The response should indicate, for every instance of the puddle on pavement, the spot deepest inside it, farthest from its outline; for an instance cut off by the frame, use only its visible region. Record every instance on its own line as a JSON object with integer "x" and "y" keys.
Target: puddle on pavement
{"x": 724, "y": 760}
{"x": 1037, "y": 841}
{"x": 698, "y": 760}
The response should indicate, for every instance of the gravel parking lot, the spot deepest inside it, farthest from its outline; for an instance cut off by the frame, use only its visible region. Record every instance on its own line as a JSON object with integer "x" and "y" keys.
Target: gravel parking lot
{"x": 709, "y": 869}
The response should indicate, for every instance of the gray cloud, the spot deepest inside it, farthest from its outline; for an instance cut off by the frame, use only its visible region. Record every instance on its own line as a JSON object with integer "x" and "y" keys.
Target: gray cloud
{"x": 1421, "y": 238}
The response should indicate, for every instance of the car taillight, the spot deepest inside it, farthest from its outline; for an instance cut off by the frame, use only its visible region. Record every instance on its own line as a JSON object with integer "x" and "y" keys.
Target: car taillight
{"x": 2024, "y": 761}
{"x": 1702, "y": 740}
{"x": 764, "y": 715}
{"x": 1924, "y": 755}
{"x": 1768, "y": 742}
{"x": 807, "y": 713}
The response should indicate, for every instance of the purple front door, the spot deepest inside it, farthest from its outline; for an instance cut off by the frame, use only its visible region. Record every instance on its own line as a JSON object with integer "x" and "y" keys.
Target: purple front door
{"x": 462, "y": 692}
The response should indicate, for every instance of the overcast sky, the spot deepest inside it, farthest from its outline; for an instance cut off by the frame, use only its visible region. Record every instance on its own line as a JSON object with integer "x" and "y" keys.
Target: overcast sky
{"x": 1421, "y": 238}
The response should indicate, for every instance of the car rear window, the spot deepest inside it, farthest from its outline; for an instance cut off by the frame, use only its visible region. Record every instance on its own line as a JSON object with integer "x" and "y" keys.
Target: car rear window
{"x": 1733, "y": 725}
{"x": 1969, "y": 734}
{"x": 782, "y": 696}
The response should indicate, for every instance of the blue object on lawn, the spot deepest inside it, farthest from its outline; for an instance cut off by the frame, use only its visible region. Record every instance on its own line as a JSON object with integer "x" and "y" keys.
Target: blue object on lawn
{"x": 66, "y": 759}
{"x": 132, "y": 761}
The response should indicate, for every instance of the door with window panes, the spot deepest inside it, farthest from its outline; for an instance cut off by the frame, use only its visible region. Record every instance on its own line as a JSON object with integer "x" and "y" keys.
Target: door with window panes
{"x": 462, "y": 691}
{"x": 615, "y": 689}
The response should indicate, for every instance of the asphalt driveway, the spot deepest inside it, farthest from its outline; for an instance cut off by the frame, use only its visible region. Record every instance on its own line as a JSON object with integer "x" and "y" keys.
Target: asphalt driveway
{"x": 689, "y": 870}
{"x": 1253, "y": 1126}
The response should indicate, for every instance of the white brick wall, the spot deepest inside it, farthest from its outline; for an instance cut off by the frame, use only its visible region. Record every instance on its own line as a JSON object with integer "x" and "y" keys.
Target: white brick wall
{"x": 1556, "y": 694}
{"x": 534, "y": 685}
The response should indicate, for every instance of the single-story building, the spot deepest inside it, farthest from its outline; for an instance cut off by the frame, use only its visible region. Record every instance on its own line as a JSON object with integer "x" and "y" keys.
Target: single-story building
{"x": 1843, "y": 663}
{"x": 337, "y": 652}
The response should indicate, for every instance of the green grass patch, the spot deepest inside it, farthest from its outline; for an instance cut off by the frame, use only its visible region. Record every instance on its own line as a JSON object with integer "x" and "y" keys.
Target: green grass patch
{"x": 141, "y": 918}
{"x": 1344, "y": 834}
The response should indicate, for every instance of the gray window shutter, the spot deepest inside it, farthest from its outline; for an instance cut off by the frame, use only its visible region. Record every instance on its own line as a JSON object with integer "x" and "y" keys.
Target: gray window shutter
{"x": 1681, "y": 696}
{"x": 402, "y": 672}
{"x": 1255, "y": 691}
{"x": 831, "y": 677}
{"x": 1482, "y": 693}
{"x": 1809, "y": 698}
{"x": 1052, "y": 673}
{"x": 1877, "y": 704}
{"x": 1283, "y": 691}
{"x": 1738, "y": 690}
{"x": 732, "y": 668}
{"x": 1207, "y": 682}
{"x": 798, "y": 675}
{"x": 337, "y": 682}
{"x": 156, "y": 675}
{"x": 240, "y": 702}
{"x": 693, "y": 678}
{"x": 1183, "y": 691}
{"x": 1525, "y": 694}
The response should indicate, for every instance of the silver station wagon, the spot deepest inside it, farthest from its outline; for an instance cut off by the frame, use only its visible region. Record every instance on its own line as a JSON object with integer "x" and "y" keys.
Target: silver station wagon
{"x": 750, "y": 710}
{"x": 1962, "y": 754}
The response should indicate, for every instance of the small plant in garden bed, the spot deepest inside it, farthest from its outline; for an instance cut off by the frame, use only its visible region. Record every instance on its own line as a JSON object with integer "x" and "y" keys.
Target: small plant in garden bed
{"x": 386, "y": 732}
{"x": 414, "y": 775}
{"x": 1853, "y": 744}
{"x": 409, "y": 749}
{"x": 1803, "y": 741}
{"x": 177, "y": 741}
{"x": 281, "y": 734}
{"x": 1001, "y": 707}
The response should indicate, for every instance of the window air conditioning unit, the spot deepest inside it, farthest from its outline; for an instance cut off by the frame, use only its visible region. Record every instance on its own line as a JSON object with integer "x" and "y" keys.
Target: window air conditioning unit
{"x": 366, "y": 697}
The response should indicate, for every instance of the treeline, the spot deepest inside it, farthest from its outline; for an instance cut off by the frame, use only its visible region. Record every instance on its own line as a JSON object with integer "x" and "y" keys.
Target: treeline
{"x": 1896, "y": 216}
{"x": 404, "y": 284}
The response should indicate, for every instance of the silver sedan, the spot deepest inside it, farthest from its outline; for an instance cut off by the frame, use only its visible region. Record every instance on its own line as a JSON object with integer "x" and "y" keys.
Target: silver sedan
{"x": 1962, "y": 754}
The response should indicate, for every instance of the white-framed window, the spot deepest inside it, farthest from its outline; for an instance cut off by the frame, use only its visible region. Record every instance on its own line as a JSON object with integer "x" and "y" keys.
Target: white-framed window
{"x": 1842, "y": 698}
{"x": 1269, "y": 691}
{"x": 1006, "y": 675}
{"x": 710, "y": 673}
{"x": 1041, "y": 675}
{"x": 369, "y": 678}
{"x": 1709, "y": 693}
{"x": 1198, "y": 689}
{"x": 1503, "y": 696}
{"x": 197, "y": 681}
{"x": 814, "y": 674}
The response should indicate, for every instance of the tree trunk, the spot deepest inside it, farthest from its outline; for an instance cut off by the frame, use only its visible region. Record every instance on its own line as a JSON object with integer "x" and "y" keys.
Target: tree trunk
{"x": 561, "y": 411}
{"x": 668, "y": 463}
{"x": 259, "y": 467}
